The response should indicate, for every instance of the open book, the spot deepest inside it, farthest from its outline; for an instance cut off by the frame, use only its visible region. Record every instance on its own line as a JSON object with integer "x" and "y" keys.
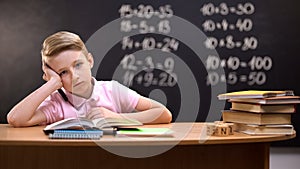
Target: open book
{"x": 84, "y": 123}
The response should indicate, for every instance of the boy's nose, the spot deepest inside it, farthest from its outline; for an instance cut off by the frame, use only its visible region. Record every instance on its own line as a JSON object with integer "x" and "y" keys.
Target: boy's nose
{"x": 74, "y": 74}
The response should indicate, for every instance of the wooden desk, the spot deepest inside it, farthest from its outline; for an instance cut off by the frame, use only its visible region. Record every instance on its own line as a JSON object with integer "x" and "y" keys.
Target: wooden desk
{"x": 31, "y": 148}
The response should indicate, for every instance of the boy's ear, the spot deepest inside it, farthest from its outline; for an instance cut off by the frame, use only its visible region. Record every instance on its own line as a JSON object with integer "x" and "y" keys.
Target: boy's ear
{"x": 90, "y": 59}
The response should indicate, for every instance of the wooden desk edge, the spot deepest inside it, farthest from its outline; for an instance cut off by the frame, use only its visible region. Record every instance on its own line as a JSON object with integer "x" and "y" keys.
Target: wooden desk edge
{"x": 43, "y": 140}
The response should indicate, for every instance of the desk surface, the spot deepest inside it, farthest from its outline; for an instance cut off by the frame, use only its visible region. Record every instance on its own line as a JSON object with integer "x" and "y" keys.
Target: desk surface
{"x": 184, "y": 134}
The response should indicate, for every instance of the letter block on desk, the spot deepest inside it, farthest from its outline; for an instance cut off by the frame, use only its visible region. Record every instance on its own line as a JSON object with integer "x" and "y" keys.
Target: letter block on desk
{"x": 219, "y": 128}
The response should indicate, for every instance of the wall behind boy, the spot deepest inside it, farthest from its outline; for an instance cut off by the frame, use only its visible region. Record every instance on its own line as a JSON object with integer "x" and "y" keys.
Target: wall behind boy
{"x": 268, "y": 36}
{"x": 23, "y": 27}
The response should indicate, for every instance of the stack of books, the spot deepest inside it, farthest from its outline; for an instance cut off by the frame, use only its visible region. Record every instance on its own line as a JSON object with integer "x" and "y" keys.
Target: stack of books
{"x": 261, "y": 112}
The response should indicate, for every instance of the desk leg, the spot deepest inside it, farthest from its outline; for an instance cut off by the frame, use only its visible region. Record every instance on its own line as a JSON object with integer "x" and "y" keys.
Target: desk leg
{"x": 227, "y": 156}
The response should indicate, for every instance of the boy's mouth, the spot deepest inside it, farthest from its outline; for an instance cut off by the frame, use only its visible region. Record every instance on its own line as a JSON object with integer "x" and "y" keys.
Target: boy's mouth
{"x": 77, "y": 84}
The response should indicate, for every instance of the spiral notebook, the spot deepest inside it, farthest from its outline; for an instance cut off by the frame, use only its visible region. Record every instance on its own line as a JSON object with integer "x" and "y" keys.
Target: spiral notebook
{"x": 76, "y": 134}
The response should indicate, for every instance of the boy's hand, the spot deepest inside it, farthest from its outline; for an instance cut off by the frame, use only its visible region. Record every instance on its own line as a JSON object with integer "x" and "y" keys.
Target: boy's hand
{"x": 50, "y": 74}
{"x": 101, "y": 112}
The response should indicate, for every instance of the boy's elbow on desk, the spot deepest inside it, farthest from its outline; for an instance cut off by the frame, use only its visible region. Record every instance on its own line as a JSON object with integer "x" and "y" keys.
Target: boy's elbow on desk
{"x": 11, "y": 119}
{"x": 166, "y": 116}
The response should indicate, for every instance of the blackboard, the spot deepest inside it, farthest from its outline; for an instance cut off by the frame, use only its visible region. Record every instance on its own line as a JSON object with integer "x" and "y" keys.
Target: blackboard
{"x": 181, "y": 53}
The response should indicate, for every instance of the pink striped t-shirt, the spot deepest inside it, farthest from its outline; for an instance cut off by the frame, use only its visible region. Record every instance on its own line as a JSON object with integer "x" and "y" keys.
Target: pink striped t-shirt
{"x": 108, "y": 94}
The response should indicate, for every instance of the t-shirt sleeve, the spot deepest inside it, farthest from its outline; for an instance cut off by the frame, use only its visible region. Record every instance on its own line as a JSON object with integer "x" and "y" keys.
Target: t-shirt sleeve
{"x": 124, "y": 98}
{"x": 52, "y": 108}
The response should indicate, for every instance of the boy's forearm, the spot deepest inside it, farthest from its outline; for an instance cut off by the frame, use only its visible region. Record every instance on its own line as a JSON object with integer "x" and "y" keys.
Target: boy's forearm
{"x": 151, "y": 116}
{"x": 25, "y": 109}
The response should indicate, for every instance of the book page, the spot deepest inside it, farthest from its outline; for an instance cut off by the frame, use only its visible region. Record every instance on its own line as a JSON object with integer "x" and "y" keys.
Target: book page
{"x": 70, "y": 123}
{"x": 115, "y": 122}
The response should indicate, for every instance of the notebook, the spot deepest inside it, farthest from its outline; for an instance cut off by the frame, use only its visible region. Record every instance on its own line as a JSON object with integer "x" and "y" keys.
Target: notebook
{"x": 76, "y": 134}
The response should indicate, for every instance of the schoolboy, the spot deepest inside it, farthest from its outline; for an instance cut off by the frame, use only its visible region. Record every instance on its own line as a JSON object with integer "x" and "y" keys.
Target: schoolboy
{"x": 67, "y": 64}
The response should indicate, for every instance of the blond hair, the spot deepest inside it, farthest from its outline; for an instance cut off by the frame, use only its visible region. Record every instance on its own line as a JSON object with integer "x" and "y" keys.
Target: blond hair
{"x": 62, "y": 41}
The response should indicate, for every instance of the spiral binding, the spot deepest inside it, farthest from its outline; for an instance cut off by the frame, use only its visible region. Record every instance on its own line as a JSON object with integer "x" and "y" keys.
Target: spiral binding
{"x": 76, "y": 134}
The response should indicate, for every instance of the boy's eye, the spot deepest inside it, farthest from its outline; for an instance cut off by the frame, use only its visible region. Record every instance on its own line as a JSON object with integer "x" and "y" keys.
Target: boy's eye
{"x": 62, "y": 73}
{"x": 78, "y": 65}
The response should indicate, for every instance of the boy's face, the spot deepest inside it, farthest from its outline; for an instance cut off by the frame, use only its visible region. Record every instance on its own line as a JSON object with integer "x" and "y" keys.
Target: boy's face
{"x": 74, "y": 69}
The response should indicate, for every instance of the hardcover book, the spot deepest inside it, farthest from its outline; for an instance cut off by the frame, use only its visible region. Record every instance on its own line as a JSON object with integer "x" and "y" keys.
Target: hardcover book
{"x": 256, "y": 118}
{"x": 263, "y": 108}
{"x": 264, "y": 129}
{"x": 269, "y": 100}
{"x": 254, "y": 94}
